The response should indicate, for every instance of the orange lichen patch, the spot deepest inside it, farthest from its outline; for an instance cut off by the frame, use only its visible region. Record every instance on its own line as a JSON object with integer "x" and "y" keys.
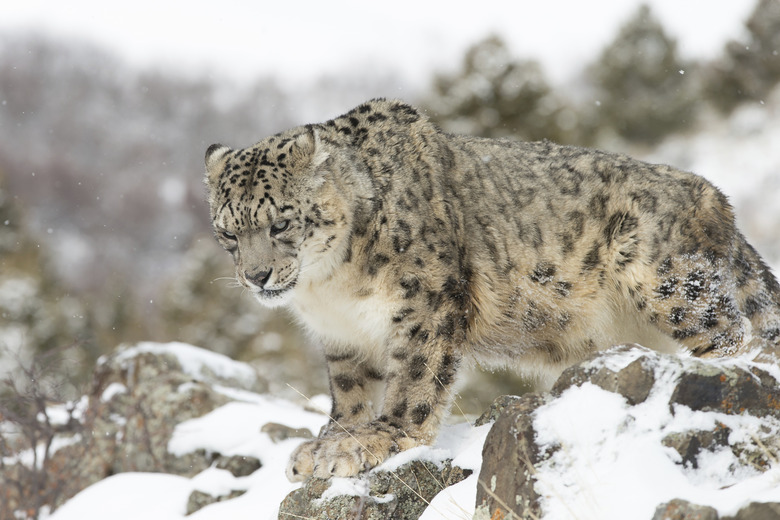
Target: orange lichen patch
{"x": 498, "y": 514}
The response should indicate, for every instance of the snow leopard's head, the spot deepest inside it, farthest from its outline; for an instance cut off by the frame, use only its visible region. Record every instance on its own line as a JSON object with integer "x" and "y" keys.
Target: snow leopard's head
{"x": 276, "y": 208}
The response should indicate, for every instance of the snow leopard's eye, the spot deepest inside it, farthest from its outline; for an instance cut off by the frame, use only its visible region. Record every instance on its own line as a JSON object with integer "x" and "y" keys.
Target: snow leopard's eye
{"x": 279, "y": 227}
{"x": 228, "y": 240}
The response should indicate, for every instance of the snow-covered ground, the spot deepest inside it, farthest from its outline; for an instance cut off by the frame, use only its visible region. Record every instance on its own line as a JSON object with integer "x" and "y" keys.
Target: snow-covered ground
{"x": 609, "y": 459}
{"x": 235, "y": 429}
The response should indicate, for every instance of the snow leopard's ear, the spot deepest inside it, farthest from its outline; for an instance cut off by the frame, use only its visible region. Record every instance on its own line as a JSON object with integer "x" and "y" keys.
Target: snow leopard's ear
{"x": 307, "y": 151}
{"x": 214, "y": 156}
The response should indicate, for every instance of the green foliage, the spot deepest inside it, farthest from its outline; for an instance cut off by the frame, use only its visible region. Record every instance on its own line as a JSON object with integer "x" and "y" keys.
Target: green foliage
{"x": 644, "y": 90}
{"x": 496, "y": 95}
{"x": 749, "y": 69}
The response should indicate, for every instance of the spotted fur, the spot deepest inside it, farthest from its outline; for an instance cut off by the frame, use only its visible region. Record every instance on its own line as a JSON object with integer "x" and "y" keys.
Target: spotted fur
{"x": 406, "y": 250}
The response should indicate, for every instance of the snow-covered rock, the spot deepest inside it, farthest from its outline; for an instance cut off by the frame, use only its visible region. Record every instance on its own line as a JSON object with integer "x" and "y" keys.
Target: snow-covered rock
{"x": 172, "y": 432}
{"x": 631, "y": 429}
{"x": 192, "y": 414}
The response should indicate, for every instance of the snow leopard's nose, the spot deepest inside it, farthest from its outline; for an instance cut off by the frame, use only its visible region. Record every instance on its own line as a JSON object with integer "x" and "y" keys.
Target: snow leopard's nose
{"x": 259, "y": 278}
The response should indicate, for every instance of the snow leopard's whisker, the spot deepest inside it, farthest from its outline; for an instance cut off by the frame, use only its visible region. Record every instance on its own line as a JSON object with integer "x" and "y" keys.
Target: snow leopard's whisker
{"x": 305, "y": 268}
{"x": 232, "y": 282}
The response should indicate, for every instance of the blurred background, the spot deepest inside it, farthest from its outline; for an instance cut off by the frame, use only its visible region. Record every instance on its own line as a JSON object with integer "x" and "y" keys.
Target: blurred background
{"x": 106, "y": 111}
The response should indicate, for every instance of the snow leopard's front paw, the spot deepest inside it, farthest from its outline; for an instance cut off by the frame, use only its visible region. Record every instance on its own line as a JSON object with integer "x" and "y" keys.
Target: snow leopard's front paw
{"x": 347, "y": 453}
{"x": 301, "y": 464}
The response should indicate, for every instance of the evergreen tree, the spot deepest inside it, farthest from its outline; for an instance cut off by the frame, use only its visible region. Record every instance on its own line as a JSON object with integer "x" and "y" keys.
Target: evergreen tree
{"x": 644, "y": 90}
{"x": 749, "y": 69}
{"x": 496, "y": 95}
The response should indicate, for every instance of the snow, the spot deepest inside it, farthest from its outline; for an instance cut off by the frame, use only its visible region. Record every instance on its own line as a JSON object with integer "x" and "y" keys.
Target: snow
{"x": 60, "y": 414}
{"x": 607, "y": 458}
{"x": 28, "y": 458}
{"x": 468, "y": 447}
{"x": 218, "y": 482}
{"x": 129, "y": 496}
{"x": 455, "y": 502}
{"x": 346, "y": 486}
{"x": 320, "y": 403}
{"x": 196, "y": 362}
{"x": 113, "y": 390}
{"x": 234, "y": 429}
{"x": 465, "y": 443}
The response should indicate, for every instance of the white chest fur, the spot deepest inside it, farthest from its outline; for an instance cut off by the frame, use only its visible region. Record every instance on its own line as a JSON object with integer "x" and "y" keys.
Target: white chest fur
{"x": 343, "y": 316}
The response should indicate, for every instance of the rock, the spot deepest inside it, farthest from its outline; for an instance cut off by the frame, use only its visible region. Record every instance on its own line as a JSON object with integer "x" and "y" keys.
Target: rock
{"x": 757, "y": 511}
{"x": 280, "y": 432}
{"x": 682, "y": 510}
{"x": 133, "y": 425}
{"x": 506, "y": 483}
{"x": 634, "y": 381}
{"x": 497, "y": 407}
{"x": 402, "y": 494}
{"x": 513, "y": 457}
{"x": 239, "y": 465}
{"x": 697, "y": 409}
{"x": 732, "y": 390}
{"x": 198, "y": 499}
{"x": 691, "y": 443}
{"x": 138, "y": 396}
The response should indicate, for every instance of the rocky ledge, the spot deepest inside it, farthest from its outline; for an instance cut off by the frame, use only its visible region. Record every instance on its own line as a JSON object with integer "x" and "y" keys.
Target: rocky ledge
{"x": 628, "y": 433}
{"x": 672, "y": 425}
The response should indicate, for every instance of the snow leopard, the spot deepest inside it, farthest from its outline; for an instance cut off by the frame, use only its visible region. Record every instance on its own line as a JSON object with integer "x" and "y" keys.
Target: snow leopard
{"x": 408, "y": 252}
